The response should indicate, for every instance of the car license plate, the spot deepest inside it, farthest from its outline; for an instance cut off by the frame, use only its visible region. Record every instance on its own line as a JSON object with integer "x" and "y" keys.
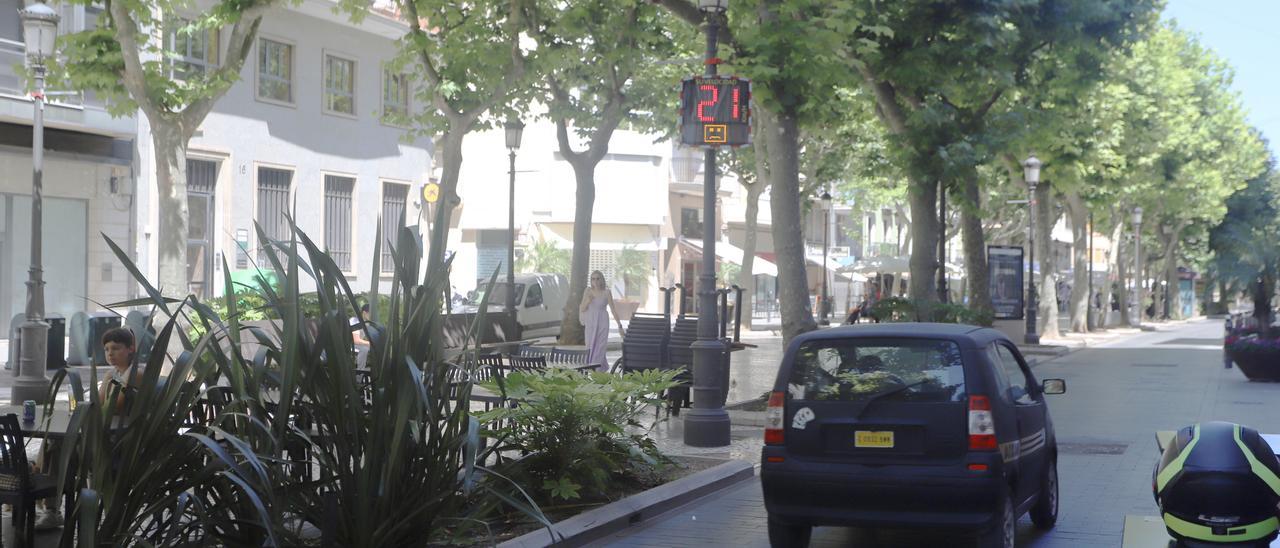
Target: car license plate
{"x": 879, "y": 439}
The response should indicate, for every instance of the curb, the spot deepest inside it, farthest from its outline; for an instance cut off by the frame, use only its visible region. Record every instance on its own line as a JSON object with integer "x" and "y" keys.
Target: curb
{"x": 635, "y": 509}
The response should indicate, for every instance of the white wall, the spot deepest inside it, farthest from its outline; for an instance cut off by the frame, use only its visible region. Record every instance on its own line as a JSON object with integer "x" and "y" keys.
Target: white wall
{"x": 245, "y": 132}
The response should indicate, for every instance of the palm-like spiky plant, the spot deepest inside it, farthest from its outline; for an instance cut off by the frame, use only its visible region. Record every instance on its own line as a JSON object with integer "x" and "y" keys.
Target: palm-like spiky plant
{"x": 376, "y": 457}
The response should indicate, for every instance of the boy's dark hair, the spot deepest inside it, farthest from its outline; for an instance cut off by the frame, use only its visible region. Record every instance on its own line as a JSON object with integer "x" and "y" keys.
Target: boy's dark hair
{"x": 364, "y": 307}
{"x": 118, "y": 335}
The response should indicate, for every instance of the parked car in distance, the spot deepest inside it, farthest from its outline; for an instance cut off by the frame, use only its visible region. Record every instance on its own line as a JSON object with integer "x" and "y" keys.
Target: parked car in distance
{"x": 540, "y": 301}
{"x": 908, "y": 426}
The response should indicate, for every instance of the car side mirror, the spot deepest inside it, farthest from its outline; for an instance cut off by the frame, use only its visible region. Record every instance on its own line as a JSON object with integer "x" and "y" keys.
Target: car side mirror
{"x": 1054, "y": 386}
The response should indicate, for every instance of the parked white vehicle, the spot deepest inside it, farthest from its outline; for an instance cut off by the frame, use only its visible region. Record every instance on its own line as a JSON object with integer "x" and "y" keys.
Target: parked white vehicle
{"x": 540, "y": 301}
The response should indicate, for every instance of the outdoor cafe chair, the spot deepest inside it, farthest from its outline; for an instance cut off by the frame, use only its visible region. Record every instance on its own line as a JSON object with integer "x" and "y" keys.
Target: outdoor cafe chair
{"x": 530, "y": 351}
{"x": 20, "y": 487}
{"x": 568, "y": 357}
{"x": 528, "y": 364}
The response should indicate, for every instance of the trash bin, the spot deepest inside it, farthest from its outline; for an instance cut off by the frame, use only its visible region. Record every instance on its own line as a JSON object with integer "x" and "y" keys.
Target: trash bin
{"x": 57, "y": 356}
{"x": 99, "y": 323}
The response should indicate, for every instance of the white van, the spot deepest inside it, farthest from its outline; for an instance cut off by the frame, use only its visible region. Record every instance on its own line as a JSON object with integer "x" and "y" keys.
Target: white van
{"x": 540, "y": 300}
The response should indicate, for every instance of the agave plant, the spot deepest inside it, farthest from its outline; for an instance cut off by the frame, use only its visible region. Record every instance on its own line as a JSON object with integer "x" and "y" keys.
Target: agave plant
{"x": 384, "y": 456}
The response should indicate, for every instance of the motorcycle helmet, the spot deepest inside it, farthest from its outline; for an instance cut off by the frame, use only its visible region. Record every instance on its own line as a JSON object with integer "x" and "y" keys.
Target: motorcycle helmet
{"x": 1218, "y": 484}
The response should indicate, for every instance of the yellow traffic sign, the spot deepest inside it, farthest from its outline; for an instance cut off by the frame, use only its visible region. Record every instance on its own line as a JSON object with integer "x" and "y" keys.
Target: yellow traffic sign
{"x": 431, "y": 192}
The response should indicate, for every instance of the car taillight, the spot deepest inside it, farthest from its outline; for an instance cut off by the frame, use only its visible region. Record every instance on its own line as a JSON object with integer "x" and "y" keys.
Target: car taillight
{"x": 982, "y": 427}
{"x": 773, "y": 418}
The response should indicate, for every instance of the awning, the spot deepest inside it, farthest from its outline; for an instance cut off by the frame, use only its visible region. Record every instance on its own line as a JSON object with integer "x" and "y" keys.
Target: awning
{"x": 728, "y": 252}
{"x": 605, "y": 237}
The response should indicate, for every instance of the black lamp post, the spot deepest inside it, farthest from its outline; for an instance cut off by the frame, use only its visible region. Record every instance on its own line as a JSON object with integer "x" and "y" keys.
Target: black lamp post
{"x": 1031, "y": 174}
{"x": 826, "y": 230}
{"x": 514, "y": 128}
{"x": 39, "y": 29}
{"x": 707, "y": 424}
{"x": 1137, "y": 266}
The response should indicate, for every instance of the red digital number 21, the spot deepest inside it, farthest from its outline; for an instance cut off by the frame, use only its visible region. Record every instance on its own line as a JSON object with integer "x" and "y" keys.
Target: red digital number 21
{"x": 715, "y": 97}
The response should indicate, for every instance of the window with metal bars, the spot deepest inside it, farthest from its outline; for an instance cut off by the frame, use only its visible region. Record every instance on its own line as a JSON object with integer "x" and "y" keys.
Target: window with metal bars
{"x": 273, "y": 205}
{"x": 393, "y": 218}
{"x": 337, "y": 219}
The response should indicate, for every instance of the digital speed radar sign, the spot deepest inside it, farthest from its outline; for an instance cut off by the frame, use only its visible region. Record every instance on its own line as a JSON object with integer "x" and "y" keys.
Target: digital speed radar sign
{"x": 715, "y": 111}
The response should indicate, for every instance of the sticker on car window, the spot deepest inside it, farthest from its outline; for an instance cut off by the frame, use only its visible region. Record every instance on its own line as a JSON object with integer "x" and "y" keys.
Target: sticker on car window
{"x": 796, "y": 390}
{"x": 802, "y": 418}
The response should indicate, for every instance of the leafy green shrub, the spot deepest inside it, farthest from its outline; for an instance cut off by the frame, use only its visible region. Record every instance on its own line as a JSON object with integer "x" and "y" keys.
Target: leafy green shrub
{"x": 581, "y": 432}
{"x": 899, "y": 309}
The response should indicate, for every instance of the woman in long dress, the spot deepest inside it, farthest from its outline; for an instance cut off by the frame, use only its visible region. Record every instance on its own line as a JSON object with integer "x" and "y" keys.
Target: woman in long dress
{"x": 595, "y": 318}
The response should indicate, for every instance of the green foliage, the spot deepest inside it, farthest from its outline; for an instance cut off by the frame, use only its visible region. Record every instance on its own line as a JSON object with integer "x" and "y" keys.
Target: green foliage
{"x": 396, "y": 456}
{"x": 581, "y": 432}
{"x": 728, "y": 272}
{"x": 634, "y": 267}
{"x": 899, "y": 309}
{"x": 544, "y": 256}
{"x": 853, "y": 382}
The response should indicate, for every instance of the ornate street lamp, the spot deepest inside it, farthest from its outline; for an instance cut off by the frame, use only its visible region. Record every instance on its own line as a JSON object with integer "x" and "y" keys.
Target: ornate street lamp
{"x": 1031, "y": 174}
{"x": 39, "y": 29}
{"x": 707, "y": 423}
{"x": 514, "y": 129}
{"x": 826, "y": 229}
{"x": 1137, "y": 266}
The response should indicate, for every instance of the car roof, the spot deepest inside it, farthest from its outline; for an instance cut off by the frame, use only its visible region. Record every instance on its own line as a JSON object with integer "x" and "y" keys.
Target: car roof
{"x": 967, "y": 336}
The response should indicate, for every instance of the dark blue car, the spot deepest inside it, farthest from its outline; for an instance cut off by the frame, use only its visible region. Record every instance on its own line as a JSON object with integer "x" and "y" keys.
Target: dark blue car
{"x": 909, "y": 425}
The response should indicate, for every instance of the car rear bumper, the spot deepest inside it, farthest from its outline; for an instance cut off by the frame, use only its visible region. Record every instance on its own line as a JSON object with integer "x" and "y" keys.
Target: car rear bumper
{"x": 805, "y": 492}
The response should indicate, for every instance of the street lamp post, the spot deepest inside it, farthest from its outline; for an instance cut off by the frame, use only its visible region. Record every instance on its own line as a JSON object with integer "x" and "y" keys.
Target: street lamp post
{"x": 707, "y": 423}
{"x": 513, "y": 129}
{"x": 1137, "y": 266}
{"x": 823, "y": 315}
{"x": 1031, "y": 174}
{"x": 39, "y": 29}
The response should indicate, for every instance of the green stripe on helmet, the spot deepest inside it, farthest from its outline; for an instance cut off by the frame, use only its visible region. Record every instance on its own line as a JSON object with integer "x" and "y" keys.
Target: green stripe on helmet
{"x": 1166, "y": 475}
{"x": 1256, "y": 466}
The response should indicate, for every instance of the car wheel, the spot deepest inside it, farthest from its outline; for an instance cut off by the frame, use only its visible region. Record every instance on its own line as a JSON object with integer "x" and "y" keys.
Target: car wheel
{"x": 1045, "y": 513}
{"x": 1003, "y": 531}
{"x": 786, "y": 535}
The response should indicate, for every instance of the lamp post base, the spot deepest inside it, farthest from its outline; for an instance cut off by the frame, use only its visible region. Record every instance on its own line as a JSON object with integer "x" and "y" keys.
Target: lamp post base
{"x": 1031, "y": 338}
{"x": 707, "y": 423}
{"x": 706, "y": 427}
{"x": 31, "y": 383}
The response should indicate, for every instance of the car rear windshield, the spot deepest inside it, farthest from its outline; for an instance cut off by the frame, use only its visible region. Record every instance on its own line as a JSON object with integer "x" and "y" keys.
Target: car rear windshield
{"x": 857, "y": 369}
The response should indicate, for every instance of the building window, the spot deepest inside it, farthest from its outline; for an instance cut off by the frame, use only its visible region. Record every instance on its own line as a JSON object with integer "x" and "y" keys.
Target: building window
{"x": 395, "y": 96}
{"x": 192, "y": 52}
{"x": 690, "y": 223}
{"x": 10, "y": 24}
{"x": 339, "y": 85}
{"x": 393, "y": 219}
{"x": 275, "y": 71}
{"x": 273, "y": 205}
{"x": 337, "y": 219}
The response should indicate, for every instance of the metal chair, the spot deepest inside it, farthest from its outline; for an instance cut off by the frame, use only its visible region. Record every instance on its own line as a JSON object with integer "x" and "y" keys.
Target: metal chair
{"x": 568, "y": 357}
{"x": 18, "y": 486}
{"x": 531, "y": 351}
{"x": 528, "y": 364}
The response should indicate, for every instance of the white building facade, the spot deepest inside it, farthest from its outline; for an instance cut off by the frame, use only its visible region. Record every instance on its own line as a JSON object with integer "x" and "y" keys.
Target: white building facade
{"x": 88, "y": 169}
{"x": 303, "y": 131}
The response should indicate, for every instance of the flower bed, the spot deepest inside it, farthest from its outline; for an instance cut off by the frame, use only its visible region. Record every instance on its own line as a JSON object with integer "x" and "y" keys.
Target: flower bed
{"x": 1258, "y": 358}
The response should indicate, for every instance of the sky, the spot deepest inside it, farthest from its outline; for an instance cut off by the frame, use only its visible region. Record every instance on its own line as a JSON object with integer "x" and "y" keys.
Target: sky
{"x": 1237, "y": 31}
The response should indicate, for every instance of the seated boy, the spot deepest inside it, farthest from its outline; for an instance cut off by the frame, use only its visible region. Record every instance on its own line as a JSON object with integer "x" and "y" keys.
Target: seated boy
{"x": 119, "y": 346}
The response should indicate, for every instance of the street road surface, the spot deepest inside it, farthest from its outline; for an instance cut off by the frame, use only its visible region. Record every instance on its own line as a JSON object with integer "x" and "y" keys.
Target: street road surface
{"x": 1118, "y": 396}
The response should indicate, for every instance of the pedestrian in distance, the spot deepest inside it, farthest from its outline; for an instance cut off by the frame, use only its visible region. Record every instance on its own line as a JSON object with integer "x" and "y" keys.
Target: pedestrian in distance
{"x": 593, "y": 313}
